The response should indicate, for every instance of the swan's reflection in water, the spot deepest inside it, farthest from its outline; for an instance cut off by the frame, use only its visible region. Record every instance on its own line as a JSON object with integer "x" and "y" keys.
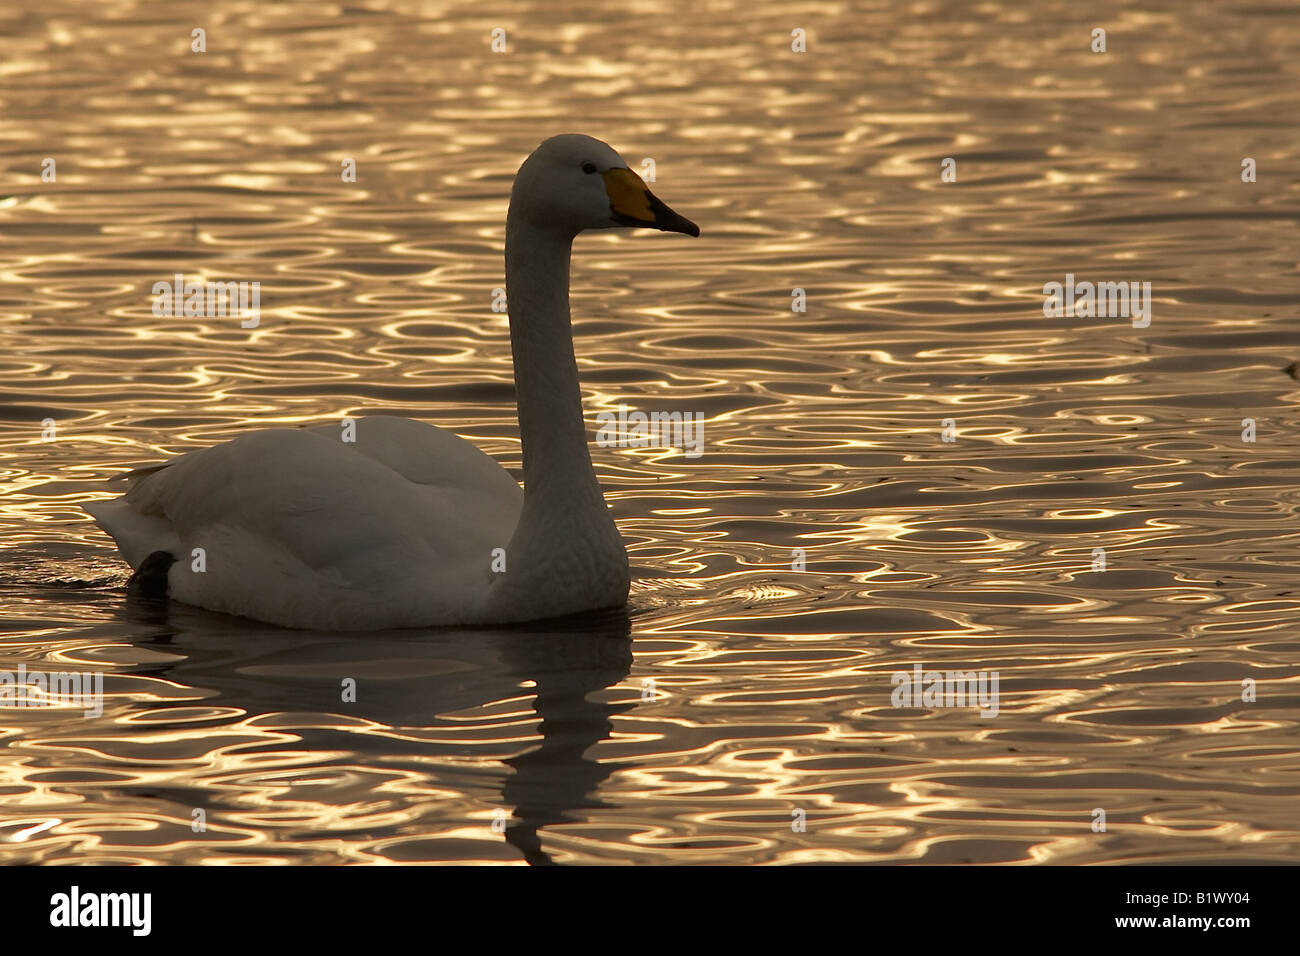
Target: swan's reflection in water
{"x": 406, "y": 680}
{"x": 558, "y": 777}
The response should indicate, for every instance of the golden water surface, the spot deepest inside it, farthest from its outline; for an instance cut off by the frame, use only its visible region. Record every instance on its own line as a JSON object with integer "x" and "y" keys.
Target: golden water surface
{"x": 740, "y": 696}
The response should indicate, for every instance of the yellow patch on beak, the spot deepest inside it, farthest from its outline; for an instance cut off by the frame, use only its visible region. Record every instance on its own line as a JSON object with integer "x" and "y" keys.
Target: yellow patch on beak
{"x": 628, "y": 195}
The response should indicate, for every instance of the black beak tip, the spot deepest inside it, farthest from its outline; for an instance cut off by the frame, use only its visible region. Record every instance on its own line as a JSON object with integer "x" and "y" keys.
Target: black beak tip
{"x": 669, "y": 221}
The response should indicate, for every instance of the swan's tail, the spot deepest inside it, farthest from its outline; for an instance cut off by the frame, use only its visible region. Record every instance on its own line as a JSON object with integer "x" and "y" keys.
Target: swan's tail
{"x": 137, "y": 535}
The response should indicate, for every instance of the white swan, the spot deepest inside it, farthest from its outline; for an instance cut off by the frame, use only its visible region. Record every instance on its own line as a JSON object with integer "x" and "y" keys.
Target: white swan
{"x": 398, "y": 529}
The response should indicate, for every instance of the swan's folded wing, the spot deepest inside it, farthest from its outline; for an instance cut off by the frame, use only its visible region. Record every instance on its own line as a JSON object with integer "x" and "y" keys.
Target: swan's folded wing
{"x": 303, "y": 509}
{"x": 427, "y": 455}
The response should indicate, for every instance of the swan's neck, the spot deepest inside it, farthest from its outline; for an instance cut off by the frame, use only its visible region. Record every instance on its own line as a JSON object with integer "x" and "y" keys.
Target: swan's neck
{"x": 566, "y": 539}
{"x": 556, "y": 459}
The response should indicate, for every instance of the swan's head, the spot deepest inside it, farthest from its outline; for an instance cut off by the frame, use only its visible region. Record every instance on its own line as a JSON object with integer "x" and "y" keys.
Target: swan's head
{"x": 573, "y": 182}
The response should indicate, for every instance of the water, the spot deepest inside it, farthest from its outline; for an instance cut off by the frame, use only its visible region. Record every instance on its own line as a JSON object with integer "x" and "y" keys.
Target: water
{"x": 737, "y": 692}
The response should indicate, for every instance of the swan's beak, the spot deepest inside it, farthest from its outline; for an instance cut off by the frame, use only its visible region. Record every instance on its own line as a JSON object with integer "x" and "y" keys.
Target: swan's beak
{"x": 633, "y": 204}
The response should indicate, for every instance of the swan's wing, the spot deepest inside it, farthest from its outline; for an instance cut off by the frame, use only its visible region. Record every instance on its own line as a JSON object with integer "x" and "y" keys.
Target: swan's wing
{"x": 424, "y": 454}
{"x": 301, "y": 514}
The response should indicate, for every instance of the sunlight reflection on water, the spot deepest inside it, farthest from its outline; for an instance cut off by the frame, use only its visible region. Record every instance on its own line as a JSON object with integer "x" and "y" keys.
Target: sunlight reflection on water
{"x": 769, "y": 688}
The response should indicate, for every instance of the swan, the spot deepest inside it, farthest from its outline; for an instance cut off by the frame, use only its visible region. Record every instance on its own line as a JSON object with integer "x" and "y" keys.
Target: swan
{"x": 409, "y": 525}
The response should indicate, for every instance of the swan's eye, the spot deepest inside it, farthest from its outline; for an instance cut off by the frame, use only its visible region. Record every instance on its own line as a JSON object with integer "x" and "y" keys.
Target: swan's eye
{"x": 588, "y": 167}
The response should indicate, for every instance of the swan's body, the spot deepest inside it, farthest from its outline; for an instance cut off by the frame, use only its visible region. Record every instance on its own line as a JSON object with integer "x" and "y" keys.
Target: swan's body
{"x": 410, "y": 525}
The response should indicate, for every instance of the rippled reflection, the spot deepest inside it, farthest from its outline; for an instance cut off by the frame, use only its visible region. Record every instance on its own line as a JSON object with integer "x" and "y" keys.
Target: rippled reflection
{"x": 740, "y": 691}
